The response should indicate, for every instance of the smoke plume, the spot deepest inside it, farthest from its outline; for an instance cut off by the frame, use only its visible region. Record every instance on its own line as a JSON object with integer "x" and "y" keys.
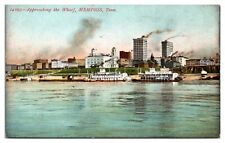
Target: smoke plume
{"x": 87, "y": 30}
{"x": 176, "y": 36}
{"x": 199, "y": 53}
{"x": 156, "y": 32}
{"x": 76, "y": 47}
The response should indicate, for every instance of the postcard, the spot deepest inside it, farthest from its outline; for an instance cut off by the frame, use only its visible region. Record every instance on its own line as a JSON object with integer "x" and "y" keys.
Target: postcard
{"x": 112, "y": 71}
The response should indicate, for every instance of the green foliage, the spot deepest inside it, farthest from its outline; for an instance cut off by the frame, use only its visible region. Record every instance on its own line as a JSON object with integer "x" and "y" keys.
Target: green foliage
{"x": 75, "y": 70}
{"x": 23, "y": 73}
{"x": 43, "y": 71}
{"x": 128, "y": 70}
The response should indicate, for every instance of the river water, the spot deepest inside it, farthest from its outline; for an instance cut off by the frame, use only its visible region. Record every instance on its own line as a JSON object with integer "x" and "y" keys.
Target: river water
{"x": 121, "y": 109}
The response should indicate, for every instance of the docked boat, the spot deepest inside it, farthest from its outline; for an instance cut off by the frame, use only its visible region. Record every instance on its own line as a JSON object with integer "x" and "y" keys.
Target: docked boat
{"x": 108, "y": 76}
{"x": 203, "y": 73}
{"x": 27, "y": 78}
{"x": 164, "y": 75}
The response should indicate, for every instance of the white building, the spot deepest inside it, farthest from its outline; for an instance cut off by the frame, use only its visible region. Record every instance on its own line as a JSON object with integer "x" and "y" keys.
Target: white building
{"x": 181, "y": 60}
{"x": 72, "y": 65}
{"x": 57, "y": 64}
{"x": 64, "y": 64}
{"x": 206, "y": 62}
{"x": 102, "y": 60}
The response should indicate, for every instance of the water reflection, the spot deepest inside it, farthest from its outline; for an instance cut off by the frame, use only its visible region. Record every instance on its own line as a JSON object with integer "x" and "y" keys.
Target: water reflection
{"x": 139, "y": 104}
{"x": 135, "y": 100}
{"x": 167, "y": 101}
{"x": 166, "y": 97}
{"x": 112, "y": 110}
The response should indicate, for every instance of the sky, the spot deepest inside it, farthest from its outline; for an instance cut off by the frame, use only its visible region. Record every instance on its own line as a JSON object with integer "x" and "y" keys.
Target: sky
{"x": 62, "y": 34}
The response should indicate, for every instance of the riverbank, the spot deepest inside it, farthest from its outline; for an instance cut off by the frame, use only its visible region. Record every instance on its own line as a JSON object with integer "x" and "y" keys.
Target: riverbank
{"x": 84, "y": 78}
{"x": 128, "y": 70}
{"x": 209, "y": 76}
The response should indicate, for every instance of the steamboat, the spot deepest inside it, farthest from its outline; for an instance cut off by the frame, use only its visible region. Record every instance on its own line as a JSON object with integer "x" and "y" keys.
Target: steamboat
{"x": 108, "y": 76}
{"x": 164, "y": 75}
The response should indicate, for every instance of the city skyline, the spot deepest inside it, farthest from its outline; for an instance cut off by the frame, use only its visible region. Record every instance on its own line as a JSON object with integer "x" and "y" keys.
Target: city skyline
{"x": 67, "y": 34}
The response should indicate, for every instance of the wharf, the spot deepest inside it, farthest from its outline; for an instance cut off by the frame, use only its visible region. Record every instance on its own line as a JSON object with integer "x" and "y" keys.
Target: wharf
{"x": 69, "y": 78}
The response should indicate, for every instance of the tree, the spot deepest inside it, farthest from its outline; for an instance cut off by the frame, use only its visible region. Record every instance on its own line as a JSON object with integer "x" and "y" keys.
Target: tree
{"x": 152, "y": 62}
{"x": 152, "y": 57}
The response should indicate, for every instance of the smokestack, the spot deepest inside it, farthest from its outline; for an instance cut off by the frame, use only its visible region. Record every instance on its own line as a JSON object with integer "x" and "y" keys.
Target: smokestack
{"x": 92, "y": 51}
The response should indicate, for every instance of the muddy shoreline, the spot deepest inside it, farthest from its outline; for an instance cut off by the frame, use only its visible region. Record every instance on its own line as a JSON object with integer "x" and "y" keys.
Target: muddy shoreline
{"x": 49, "y": 78}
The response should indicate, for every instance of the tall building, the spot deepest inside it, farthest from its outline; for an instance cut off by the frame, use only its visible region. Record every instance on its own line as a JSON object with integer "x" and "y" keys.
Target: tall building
{"x": 140, "y": 49}
{"x": 167, "y": 48}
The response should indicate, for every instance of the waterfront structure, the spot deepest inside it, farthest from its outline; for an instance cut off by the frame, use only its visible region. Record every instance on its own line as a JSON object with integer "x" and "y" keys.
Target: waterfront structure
{"x": 72, "y": 65}
{"x": 167, "y": 48}
{"x": 125, "y": 62}
{"x": 125, "y": 55}
{"x": 71, "y": 60}
{"x": 10, "y": 67}
{"x": 65, "y": 64}
{"x": 140, "y": 49}
{"x": 181, "y": 60}
{"x": 21, "y": 67}
{"x": 26, "y": 66}
{"x": 158, "y": 76}
{"x": 40, "y": 64}
{"x": 98, "y": 60}
{"x": 57, "y": 64}
{"x": 125, "y": 59}
{"x": 200, "y": 62}
{"x": 102, "y": 60}
{"x": 172, "y": 64}
{"x": 108, "y": 76}
{"x": 193, "y": 62}
{"x": 80, "y": 62}
{"x": 206, "y": 62}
